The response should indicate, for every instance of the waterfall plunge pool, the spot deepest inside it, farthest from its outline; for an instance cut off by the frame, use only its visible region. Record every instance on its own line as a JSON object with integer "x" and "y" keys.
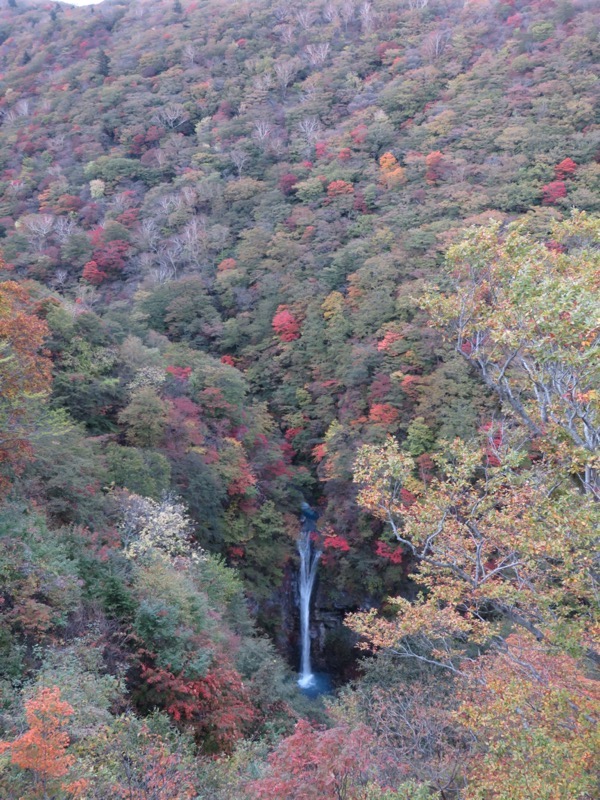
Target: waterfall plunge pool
{"x": 320, "y": 683}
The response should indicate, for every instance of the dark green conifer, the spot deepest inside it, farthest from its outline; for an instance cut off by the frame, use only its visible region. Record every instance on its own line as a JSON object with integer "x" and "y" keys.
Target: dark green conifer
{"x": 103, "y": 63}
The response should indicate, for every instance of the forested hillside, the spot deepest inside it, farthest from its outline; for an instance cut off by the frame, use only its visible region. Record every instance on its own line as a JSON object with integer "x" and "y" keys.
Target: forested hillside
{"x": 255, "y": 254}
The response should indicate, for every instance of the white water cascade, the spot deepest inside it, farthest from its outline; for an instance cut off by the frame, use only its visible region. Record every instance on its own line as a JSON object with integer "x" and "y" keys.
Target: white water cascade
{"x": 309, "y": 559}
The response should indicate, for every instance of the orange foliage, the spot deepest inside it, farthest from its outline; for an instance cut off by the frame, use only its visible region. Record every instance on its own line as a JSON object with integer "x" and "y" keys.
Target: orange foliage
{"x": 43, "y": 747}
{"x": 25, "y": 370}
{"x": 433, "y": 167}
{"x": 227, "y": 264}
{"x": 339, "y": 189}
{"x": 392, "y": 174}
{"x": 383, "y": 413}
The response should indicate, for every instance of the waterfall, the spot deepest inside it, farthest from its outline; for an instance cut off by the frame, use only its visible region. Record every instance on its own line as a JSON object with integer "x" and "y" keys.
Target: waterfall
{"x": 309, "y": 559}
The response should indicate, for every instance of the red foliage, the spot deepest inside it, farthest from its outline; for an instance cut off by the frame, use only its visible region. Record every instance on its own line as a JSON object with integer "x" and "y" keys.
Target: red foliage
{"x": 286, "y": 325}
{"x": 336, "y": 543}
{"x": 217, "y": 705}
{"x": 226, "y": 264}
{"x": 183, "y": 426}
{"x": 359, "y": 134}
{"x": 291, "y": 433}
{"x": 381, "y": 387}
{"x": 111, "y": 256}
{"x": 385, "y": 551}
{"x": 287, "y": 183}
{"x": 383, "y": 414}
{"x": 129, "y": 217}
{"x": 383, "y": 47}
{"x": 214, "y": 403}
{"x": 565, "y": 169}
{"x": 553, "y": 191}
{"x": 360, "y": 204}
{"x": 317, "y": 764}
{"x": 495, "y": 439}
{"x": 345, "y": 154}
{"x": 228, "y": 360}
{"x": 92, "y": 274}
{"x": 321, "y": 149}
{"x": 407, "y": 498}
{"x": 181, "y": 373}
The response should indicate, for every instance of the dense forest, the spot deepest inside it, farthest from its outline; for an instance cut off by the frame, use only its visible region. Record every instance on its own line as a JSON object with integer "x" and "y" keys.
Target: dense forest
{"x": 261, "y": 254}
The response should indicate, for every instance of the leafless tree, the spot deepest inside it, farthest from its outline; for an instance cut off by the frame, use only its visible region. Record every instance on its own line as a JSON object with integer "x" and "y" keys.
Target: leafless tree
{"x": 263, "y": 130}
{"x": 57, "y": 142}
{"x": 22, "y": 108}
{"x": 219, "y": 236}
{"x": 309, "y": 128}
{"x": 162, "y": 273}
{"x": 169, "y": 256}
{"x": 148, "y": 237}
{"x": 189, "y": 54}
{"x": 346, "y": 12}
{"x": 9, "y": 115}
{"x": 287, "y": 34}
{"x": 277, "y": 146}
{"x": 367, "y": 17}
{"x": 87, "y": 295}
{"x": 285, "y": 72}
{"x": 167, "y": 203}
{"x": 263, "y": 82}
{"x": 239, "y": 158}
{"x": 282, "y": 11}
{"x": 193, "y": 239}
{"x": 64, "y": 227}
{"x": 305, "y": 18}
{"x": 189, "y": 196}
{"x": 317, "y": 53}
{"x": 330, "y": 14}
{"x": 121, "y": 201}
{"x": 172, "y": 115}
{"x": 37, "y": 227}
{"x": 435, "y": 44}
{"x": 61, "y": 276}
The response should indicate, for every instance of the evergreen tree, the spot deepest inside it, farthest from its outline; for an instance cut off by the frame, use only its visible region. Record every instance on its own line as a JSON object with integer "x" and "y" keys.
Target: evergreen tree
{"x": 103, "y": 63}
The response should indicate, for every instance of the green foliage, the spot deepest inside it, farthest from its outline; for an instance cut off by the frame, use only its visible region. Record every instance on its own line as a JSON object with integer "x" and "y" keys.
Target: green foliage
{"x": 141, "y": 471}
{"x": 144, "y": 418}
{"x": 78, "y": 672}
{"x": 116, "y": 169}
{"x": 41, "y": 586}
